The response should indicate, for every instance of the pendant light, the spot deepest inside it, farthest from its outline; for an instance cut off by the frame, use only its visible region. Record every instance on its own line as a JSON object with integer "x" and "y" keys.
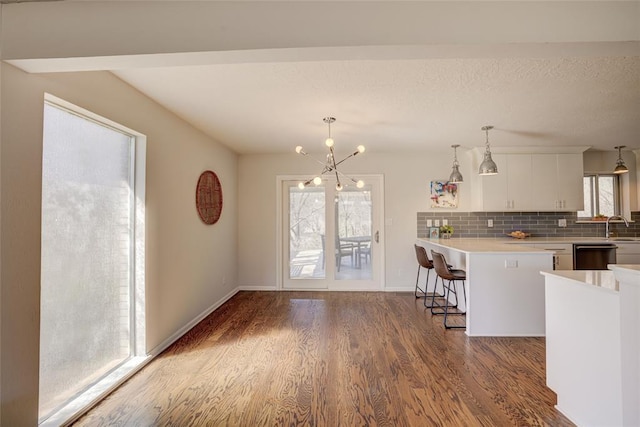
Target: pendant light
{"x": 620, "y": 166}
{"x": 488, "y": 166}
{"x": 456, "y": 176}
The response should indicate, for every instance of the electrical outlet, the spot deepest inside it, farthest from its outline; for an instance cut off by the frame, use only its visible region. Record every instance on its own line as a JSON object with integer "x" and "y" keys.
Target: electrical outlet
{"x": 445, "y": 222}
{"x": 490, "y": 223}
{"x": 562, "y": 222}
{"x": 511, "y": 263}
{"x": 436, "y": 222}
{"x": 429, "y": 223}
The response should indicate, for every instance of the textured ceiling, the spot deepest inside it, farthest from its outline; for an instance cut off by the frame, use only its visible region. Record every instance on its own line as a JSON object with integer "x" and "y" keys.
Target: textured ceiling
{"x": 405, "y": 105}
{"x": 398, "y": 76}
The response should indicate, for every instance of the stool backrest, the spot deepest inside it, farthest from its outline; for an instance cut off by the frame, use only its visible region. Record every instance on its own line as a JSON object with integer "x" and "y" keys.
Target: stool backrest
{"x": 423, "y": 258}
{"x": 440, "y": 265}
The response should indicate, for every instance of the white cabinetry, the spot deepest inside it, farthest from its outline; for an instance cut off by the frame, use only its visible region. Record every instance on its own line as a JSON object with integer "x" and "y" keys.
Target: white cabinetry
{"x": 628, "y": 253}
{"x": 557, "y": 182}
{"x": 510, "y": 189}
{"x": 544, "y": 182}
{"x": 563, "y": 254}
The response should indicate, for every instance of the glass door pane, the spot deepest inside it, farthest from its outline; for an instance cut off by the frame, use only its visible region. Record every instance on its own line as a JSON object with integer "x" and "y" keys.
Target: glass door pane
{"x": 353, "y": 211}
{"x": 332, "y": 239}
{"x": 306, "y": 228}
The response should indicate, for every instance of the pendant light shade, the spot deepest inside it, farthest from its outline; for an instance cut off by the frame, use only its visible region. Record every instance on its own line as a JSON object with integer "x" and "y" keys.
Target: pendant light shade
{"x": 488, "y": 166}
{"x": 620, "y": 166}
{"x": 456, "y": 176}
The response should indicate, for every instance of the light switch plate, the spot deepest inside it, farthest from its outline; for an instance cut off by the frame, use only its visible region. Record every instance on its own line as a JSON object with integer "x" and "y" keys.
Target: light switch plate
{"x": 511, "y": 263}
{"x": 490, "y": 223}
{"x": 429, "y": 223}
{"x": 562, "y": 222}
{"x": 445, "y": 222}
{"x": 436, "y": 222}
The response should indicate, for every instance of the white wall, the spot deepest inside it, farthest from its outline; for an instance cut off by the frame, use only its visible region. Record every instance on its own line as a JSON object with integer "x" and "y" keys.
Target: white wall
{"x": 185, "y": 259}
{"x": 407, "y": 179}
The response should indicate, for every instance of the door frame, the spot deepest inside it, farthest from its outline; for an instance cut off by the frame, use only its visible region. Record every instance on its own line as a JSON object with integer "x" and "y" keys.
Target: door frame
{"x": 377, "y": 211}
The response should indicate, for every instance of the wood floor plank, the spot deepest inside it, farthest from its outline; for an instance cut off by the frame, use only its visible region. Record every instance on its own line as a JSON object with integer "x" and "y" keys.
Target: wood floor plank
{"x": 334, "y": 359}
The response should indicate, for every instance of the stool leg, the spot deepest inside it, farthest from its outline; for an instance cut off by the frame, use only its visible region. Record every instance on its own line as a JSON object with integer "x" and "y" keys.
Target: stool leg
{"x": 446, "y": 309}
{"x": 433, "y": 294}
{"x": 415, "y": 292}
{"x": 445, "y": 295}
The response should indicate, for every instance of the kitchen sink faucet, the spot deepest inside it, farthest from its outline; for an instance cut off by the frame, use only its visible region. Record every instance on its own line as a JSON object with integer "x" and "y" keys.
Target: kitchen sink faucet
{"x": 607, "y": 233}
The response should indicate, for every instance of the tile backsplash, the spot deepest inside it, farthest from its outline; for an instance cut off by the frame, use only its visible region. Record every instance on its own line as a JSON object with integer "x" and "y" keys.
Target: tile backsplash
{"x": 539, "y": 224}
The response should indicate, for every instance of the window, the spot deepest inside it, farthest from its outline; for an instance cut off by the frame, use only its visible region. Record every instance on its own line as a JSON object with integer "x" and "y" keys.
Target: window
{"x": 601, "y": 195}
{"x": 91, "y": 303}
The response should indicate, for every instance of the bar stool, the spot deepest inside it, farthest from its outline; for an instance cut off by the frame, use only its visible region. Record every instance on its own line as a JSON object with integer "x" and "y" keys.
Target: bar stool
{"x": 425, "y": 262}
{"x": 450, "y": 277}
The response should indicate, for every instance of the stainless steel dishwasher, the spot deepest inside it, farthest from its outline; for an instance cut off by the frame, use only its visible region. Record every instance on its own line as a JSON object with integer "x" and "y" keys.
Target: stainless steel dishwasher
{"x": 593, "y": 256}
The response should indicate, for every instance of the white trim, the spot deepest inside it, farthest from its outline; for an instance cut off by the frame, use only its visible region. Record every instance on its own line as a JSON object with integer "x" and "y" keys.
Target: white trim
{"x": 84, "y": 400}
{"x": 86, "y": 114}
{"x": 258, "y": 288}
{"x": 186, "y": 328}
{"x": 378, "y": 210}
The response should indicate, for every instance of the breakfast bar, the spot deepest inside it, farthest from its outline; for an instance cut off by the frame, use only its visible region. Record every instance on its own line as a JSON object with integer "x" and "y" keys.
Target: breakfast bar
{"x": 505, "y": 291}
{"x": 593, "y": 344}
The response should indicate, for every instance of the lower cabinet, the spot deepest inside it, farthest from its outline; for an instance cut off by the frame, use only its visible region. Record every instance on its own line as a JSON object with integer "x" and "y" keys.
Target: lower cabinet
{"x": 563, "y": 254}
{"x": 628, "y": 253}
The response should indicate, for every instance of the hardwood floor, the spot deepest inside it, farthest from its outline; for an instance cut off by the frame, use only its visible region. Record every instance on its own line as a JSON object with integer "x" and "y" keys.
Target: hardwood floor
{"x": 334, "y": 359}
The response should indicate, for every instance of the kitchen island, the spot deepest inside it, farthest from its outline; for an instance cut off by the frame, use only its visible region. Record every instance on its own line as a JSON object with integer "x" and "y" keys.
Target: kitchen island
{"x": 593, "y": 344}
{"x": 505, "y": 291}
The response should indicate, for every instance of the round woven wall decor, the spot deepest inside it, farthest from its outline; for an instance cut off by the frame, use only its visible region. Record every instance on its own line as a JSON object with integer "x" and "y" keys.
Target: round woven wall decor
{"x": 209, "y": 197}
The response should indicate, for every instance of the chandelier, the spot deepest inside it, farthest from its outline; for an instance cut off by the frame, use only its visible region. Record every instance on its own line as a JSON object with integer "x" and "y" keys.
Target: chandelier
{"x": 330, "y": 165}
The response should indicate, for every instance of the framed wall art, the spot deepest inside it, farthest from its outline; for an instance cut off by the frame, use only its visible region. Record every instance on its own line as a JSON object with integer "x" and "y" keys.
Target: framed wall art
{"x": 434, "y": 233}
{"x": 444, "y": 194}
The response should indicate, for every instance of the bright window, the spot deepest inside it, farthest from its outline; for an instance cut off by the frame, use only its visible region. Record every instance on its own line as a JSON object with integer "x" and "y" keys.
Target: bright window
{"x": 601, "y": 195}
{"x": 88, "y": 316}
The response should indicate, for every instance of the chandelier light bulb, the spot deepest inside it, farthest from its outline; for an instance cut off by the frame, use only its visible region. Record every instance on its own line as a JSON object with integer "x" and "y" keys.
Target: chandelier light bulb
{"x": 361, "y": 149}
{"x": 317, "y": 180}
{"x": 299, "y": 149}
{"x": 301, "y": 185}
{"x": 329, "y": 142}
{"x": 339, "y": 187}
{"x": 360, "y": 184}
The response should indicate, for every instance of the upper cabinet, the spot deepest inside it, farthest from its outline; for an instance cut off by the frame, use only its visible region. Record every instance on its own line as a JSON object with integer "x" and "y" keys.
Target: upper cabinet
{"x": 557, "y": 184}
{"x": 510, "y": 189}
{"x": 529, "y": 182}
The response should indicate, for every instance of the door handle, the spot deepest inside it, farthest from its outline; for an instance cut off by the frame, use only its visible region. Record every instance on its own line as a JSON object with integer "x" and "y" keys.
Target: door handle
{"x": 377, "y": 237}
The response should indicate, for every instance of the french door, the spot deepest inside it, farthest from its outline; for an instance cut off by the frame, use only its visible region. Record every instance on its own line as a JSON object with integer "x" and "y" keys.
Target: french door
{"x": 332, "y": 239}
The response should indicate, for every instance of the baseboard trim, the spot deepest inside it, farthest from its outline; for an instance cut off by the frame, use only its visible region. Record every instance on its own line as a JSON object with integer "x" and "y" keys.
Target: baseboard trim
{"x": 180, "y": 332}
{"x": 257, "y": 288}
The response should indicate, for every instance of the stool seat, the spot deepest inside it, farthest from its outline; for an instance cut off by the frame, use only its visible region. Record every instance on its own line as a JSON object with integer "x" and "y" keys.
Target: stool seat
{"x": 456, "y": 275}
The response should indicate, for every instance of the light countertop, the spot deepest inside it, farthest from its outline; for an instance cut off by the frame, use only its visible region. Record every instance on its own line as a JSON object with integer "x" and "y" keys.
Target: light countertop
{"x": 482, "y": 245}
{"x": 508, "y": 244}
{"x": 604, "y": 279}
{"x": 571, "y": 239}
